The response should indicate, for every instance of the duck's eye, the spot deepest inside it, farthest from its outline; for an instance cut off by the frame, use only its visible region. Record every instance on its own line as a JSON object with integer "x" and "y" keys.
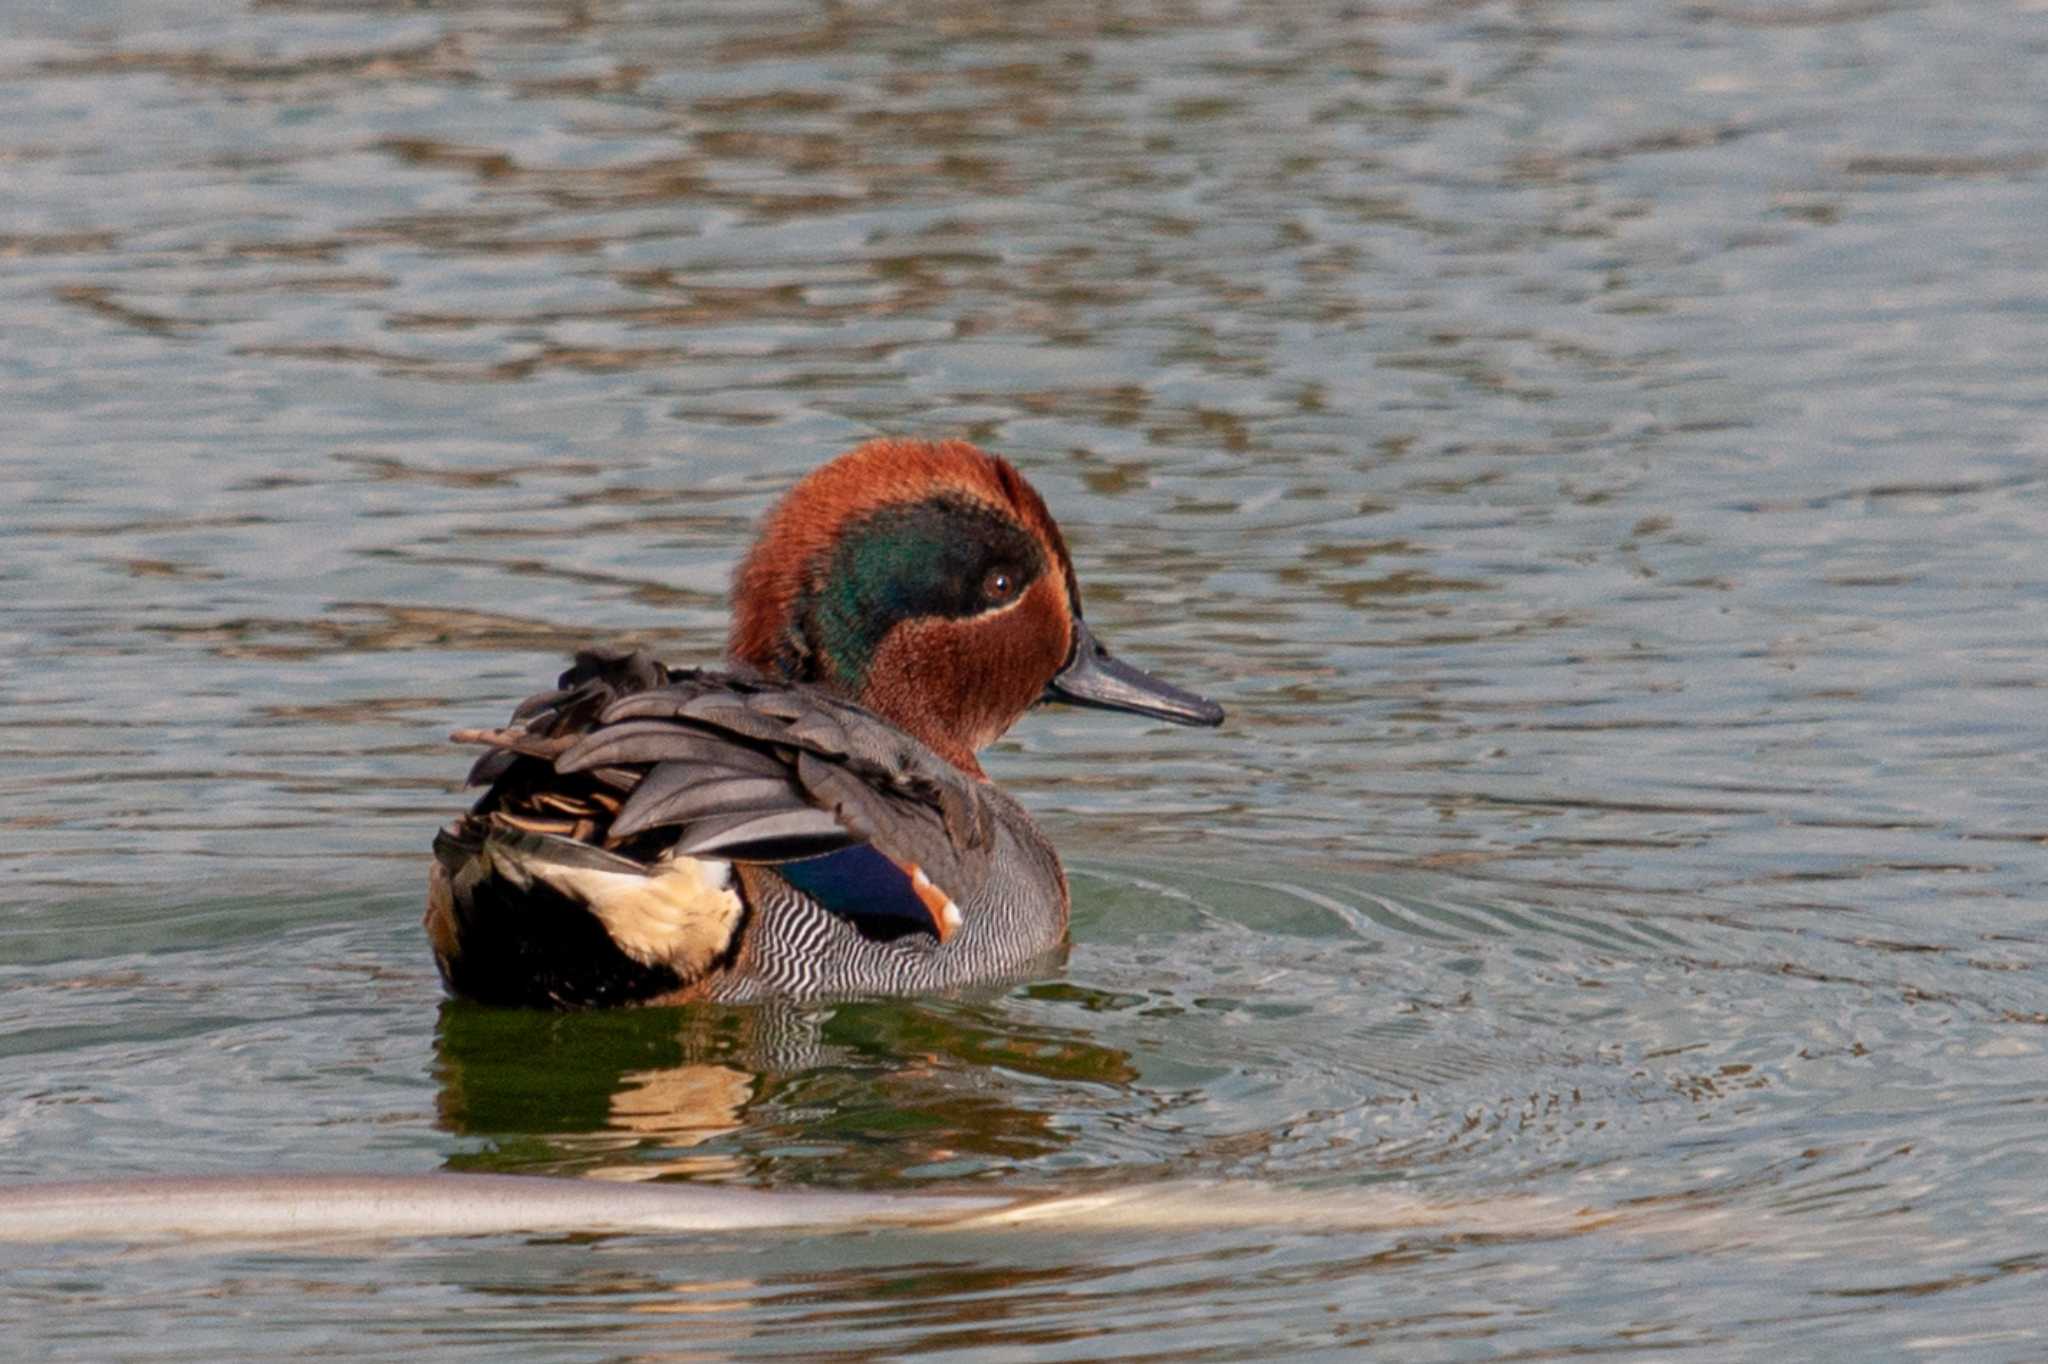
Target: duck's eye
{"x": 999, "y": 586}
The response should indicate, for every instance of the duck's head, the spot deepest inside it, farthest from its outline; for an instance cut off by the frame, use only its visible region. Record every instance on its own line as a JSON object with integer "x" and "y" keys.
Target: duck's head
{"x": 926, "y": 581}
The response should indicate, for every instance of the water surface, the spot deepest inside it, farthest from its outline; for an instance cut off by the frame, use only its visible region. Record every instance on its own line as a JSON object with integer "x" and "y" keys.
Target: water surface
{"x": 1595, "y": 452}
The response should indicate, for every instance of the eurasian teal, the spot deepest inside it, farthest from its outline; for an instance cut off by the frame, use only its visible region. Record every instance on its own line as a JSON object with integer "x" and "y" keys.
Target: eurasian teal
{"x": 813, "y": 822}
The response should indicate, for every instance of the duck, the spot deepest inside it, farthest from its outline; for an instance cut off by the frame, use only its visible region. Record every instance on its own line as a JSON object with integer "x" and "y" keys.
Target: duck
{"x": 810, "y": 821}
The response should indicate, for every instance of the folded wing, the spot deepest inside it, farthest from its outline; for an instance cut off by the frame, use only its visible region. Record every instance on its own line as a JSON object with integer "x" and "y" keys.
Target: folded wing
{"x": 676, "y": 775}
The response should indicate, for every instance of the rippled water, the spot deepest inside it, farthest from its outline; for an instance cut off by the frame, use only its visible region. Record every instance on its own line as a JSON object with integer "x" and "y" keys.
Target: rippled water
{"x": 1596, "y": 451}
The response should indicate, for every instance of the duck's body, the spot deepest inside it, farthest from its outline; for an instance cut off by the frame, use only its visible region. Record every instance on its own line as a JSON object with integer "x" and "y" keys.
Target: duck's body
{"x": 813, "y": 823}
{"x": 573, "y": 881}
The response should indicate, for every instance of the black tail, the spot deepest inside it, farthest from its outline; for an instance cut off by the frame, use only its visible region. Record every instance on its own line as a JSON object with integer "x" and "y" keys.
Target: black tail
{"x": 523, "y": 946}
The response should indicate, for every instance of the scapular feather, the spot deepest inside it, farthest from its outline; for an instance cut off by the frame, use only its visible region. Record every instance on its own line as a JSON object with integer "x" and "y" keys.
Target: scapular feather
{"x": 777, "y": 836}
{"x": 692, "y": 794}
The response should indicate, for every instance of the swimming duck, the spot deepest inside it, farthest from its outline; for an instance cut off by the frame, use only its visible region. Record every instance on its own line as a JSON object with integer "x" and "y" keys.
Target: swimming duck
{"x": 811, "y": 822}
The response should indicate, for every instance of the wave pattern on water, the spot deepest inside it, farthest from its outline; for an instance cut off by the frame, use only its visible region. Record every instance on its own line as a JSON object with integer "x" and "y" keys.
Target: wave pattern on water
{"x": 1594, "y": 452}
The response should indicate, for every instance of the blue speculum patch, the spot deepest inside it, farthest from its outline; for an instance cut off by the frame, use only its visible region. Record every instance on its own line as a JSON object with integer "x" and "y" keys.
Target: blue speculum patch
{"x": 864, "y": 887}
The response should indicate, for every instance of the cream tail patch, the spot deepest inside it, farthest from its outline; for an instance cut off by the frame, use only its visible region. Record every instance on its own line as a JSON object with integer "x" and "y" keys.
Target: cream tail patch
{"x": 681, "y": 913}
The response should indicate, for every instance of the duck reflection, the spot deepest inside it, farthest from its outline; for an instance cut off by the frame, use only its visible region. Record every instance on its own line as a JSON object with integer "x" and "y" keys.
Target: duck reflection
{"x": 863, "y": 1094}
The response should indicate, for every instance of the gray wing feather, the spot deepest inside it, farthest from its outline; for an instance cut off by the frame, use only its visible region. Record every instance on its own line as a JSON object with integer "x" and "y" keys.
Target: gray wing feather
{"x": 664, "y": 741}
{"x": 683, "y": 793}
{"x": 776, "y": 836}
{"x": 486, "y": 770}
{"x": 908, "y": 828}
{"x": 519, "y": 845}
{"x": 750, "y": 771}
{"x": 633, "y": 742}
{"x": 880, "y": 785}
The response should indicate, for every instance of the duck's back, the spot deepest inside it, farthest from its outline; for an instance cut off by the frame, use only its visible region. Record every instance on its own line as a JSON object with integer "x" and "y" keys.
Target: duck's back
{"x": 650, "y": 835}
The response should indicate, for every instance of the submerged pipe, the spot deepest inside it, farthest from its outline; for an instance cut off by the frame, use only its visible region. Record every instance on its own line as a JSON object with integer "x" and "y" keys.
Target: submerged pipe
{"x": 326, "y": 1207}
{"x": 353, "y": 1207}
